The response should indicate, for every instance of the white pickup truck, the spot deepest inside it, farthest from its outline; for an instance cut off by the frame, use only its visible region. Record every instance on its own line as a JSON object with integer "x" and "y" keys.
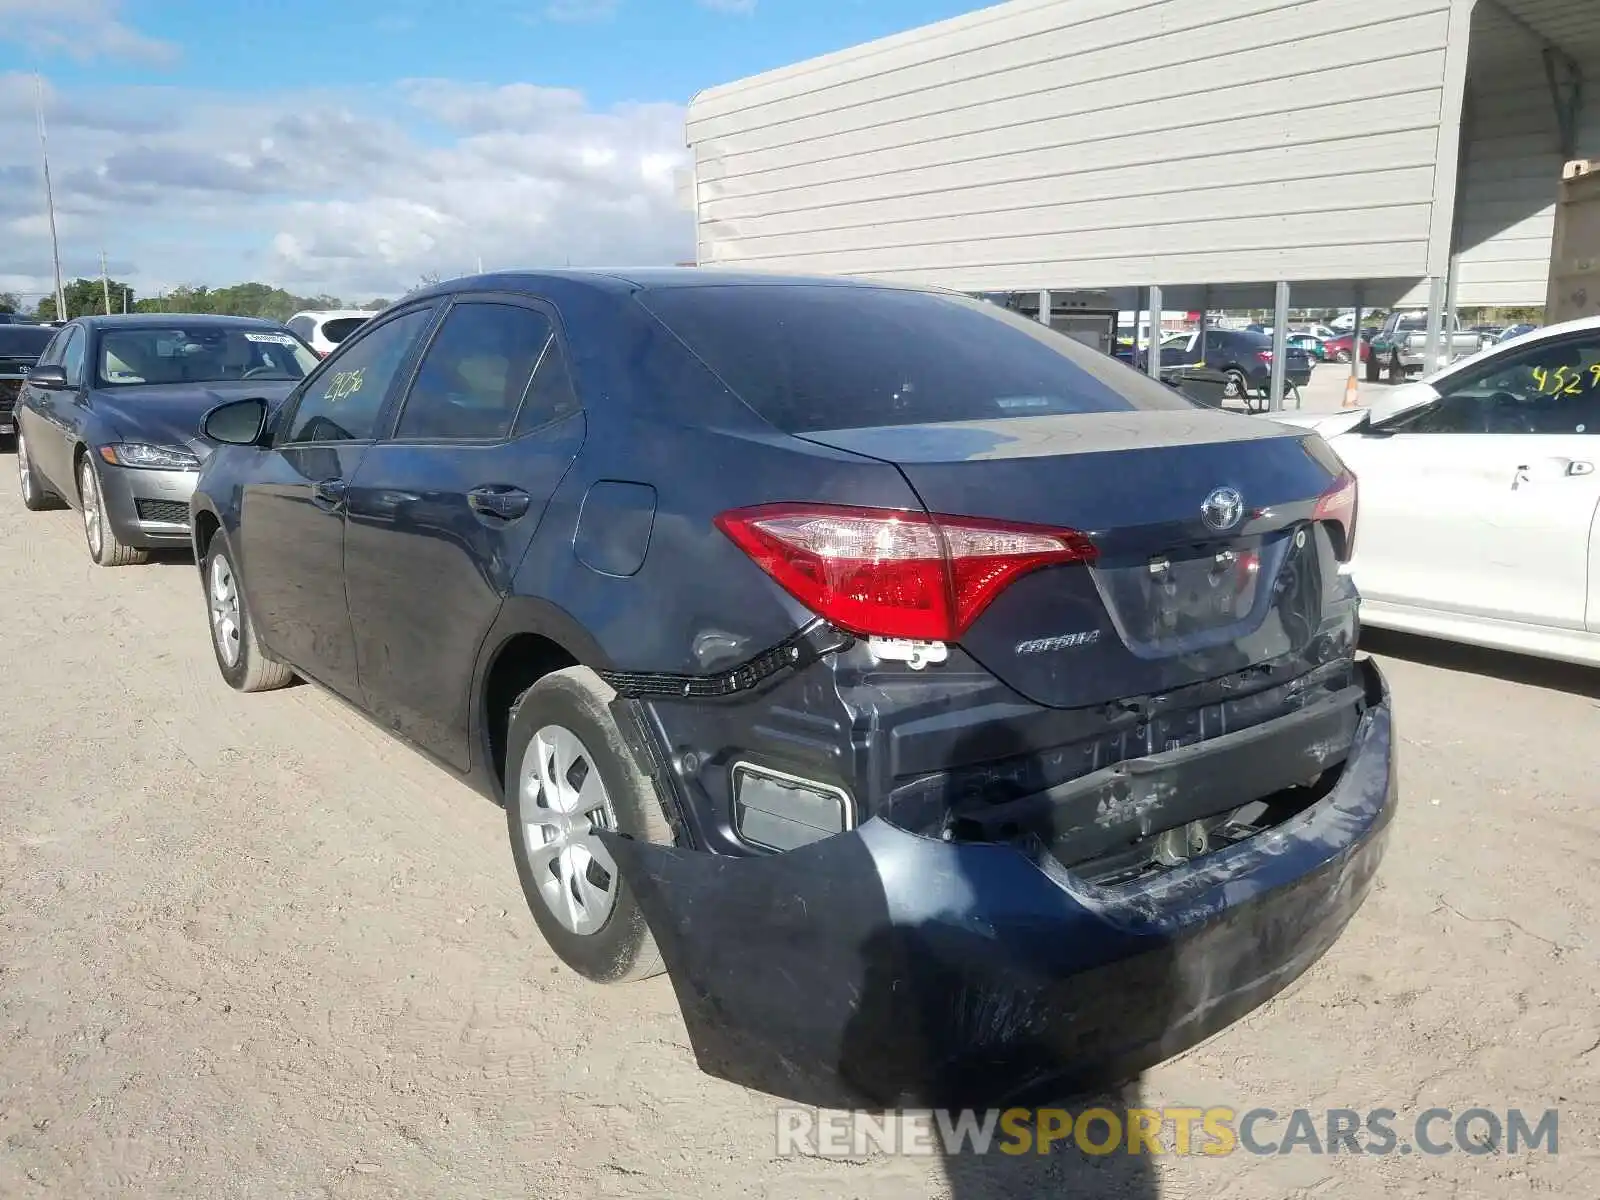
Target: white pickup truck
{"x": 1402, "y": 346}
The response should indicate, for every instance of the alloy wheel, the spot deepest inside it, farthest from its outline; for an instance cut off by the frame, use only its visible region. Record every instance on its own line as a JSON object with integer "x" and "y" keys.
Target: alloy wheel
{"x": 24, "y": 471}
{"x": 89, "y": 491}
{"x": 564, "y": 804}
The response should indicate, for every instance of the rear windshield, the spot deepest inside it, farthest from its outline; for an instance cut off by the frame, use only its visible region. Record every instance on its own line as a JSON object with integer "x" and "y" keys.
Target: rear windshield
{"x": 340, "y": 328}
{"x": 809, "y": 357}
{"x": 21, "y": 341}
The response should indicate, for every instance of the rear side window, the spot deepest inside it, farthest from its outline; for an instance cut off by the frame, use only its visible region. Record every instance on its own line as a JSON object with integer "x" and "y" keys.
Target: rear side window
{"x": 340, "y": 328}
{"x": 482, "y": 367}
{"x": 303, "y": 327}
{"x": 23, "y": 341}
{"x": 809, "y": 357}
{"x": 72, "y": 356}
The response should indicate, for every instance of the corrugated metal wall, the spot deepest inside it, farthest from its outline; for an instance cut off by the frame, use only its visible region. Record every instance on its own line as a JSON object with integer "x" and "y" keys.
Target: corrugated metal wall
{"x": 1096, "y": 143}
{"x": 1511, "y": 165}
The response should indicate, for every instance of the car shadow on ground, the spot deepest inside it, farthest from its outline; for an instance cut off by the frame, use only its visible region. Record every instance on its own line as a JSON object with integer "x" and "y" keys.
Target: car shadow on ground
{"x": 173, "y": 558}
{"x": 946, "y": 1008}
{"x": 1476, "y": 660}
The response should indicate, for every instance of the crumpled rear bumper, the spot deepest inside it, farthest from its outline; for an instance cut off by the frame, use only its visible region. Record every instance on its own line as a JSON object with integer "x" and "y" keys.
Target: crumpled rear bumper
{"x": 882, "y": 968}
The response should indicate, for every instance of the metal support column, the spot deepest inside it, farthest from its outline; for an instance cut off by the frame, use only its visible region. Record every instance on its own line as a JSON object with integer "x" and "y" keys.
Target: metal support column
{"x": 1355, "y": 341}
{"x": 1435, "y": 347}
{"x": 1205, "y": 304}
{"x": 1044, "y": 308}
{"x": 1452, "y": 319}
{"x": 1280, "y": 346}
{"x": 1152, "y": 357}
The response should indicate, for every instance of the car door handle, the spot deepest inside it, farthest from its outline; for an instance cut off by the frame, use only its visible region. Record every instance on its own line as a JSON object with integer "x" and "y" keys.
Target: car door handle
{"x": 501, "y": 503}
{"x": 328, "y": 493}
{"x": 1551, "y": 468}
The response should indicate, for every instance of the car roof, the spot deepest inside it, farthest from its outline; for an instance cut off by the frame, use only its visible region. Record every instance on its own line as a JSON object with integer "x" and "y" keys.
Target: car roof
{"x": 1535, "y": 335}
{"x": 164, "y": 320}
{"x": 622, "y": 282}
{"x": 329, "y": 314}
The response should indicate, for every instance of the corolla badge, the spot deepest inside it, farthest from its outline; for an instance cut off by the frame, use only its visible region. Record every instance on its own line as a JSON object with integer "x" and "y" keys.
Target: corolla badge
{"x": 1223, "y": 508}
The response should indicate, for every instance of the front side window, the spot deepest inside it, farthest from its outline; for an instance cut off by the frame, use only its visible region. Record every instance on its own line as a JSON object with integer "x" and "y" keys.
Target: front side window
{"x": 1553, "y": 387}
{"x": 809, "y": 357}
{"x": 343, "y": 402}
{"x": 481, "y": 369}
{"x": 178, "y": 354}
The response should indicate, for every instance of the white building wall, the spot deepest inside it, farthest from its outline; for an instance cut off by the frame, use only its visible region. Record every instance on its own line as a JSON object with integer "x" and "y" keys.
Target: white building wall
{"x": 1511, "y": 165}
{"x": 1098, "y": 143}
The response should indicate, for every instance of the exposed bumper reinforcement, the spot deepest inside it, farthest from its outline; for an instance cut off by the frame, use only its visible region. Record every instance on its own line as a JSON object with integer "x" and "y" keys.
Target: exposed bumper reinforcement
{"x": 883, "y": 968}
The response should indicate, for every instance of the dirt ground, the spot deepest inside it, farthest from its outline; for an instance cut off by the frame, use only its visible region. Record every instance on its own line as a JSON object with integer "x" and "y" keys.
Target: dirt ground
{"x": 249, "y": 947}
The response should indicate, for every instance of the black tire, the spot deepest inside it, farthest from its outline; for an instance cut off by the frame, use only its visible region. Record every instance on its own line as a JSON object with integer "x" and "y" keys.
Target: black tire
{"x": 250, "y": 670}
{"x": 1341, "y": 356}
{"x": 105, "y": 548}
{"x": 35, "y": 496}
{"x": 1372, "y": 368}
{"x": 620, "y": 948}
{"x": 1397, "y": 370}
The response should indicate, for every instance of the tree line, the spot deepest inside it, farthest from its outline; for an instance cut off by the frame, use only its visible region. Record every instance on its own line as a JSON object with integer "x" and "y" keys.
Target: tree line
{"x": 87, "y": 296}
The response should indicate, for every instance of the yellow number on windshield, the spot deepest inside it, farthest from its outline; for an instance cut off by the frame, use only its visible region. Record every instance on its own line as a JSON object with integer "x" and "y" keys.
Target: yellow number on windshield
{"x": 1541, "y": 378}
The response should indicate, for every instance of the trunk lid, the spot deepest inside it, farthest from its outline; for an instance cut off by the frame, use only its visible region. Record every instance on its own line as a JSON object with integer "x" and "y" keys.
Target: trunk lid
{"x": 1174, "y": 597}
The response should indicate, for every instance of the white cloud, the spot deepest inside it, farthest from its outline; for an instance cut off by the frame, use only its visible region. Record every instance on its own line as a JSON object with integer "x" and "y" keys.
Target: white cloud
{"x": 355, "y": 193}
{"x": 82, "y": 29}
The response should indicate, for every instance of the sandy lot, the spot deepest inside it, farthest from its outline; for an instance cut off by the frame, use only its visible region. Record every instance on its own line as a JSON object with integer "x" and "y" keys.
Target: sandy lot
{"x": 249, "y": 947}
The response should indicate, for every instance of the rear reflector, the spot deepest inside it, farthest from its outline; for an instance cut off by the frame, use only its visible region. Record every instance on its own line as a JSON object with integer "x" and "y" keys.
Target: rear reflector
{"x": 1337, "y": 506}
{"x": 891, "y": 573}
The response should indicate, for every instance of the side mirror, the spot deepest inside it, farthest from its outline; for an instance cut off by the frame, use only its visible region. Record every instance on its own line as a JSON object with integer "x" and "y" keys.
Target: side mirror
{"x": 50, "y": 378}
{"x": 236, "y": 423}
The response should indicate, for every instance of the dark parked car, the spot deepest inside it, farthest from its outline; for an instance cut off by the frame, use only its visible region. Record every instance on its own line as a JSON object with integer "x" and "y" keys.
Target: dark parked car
{"x": 1244, "y": 356}
{"x": 109, "y": 418}
{"x": 20, "y": 348}
{"x": 869, "y": 636}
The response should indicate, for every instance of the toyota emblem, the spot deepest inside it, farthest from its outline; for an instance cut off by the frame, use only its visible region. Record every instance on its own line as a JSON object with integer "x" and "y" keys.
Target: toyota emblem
{"x": 1223, "y": 509}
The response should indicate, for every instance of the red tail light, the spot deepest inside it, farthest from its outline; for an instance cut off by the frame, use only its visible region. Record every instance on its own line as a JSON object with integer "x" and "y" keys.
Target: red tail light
{"x": 881, "y": 572}
{"x": 1337, "y": 505}
{"x": 1264, "y": 355}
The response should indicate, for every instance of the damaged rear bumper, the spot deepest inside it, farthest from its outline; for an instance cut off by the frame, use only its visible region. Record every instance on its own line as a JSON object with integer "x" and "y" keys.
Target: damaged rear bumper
{"x": 882, "y": 968}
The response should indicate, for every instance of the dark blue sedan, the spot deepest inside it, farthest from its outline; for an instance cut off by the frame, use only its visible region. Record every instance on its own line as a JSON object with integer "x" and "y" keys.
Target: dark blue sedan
{"x": 956, "y": 714}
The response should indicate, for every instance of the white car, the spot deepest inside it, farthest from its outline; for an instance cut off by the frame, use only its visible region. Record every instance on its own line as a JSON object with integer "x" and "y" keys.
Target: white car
{"x": 324, "y": 330}
{"x": 1479, "y": 489}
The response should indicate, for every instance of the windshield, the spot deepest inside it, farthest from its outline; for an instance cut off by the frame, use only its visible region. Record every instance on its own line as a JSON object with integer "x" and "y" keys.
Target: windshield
{"x": 809, "y": 357}
{"x": 205, "y": 354}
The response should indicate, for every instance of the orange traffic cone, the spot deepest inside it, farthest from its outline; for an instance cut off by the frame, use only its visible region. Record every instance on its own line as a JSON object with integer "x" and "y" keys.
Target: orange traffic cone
{"x": 1352, "y": 393}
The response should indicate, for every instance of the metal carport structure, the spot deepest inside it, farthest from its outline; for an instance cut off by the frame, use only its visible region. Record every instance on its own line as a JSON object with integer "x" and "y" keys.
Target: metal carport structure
{"x": 1186, "y": 153}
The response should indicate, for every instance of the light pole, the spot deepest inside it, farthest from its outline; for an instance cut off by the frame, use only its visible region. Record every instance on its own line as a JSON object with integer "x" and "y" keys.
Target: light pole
{"x": 49, "y": 197}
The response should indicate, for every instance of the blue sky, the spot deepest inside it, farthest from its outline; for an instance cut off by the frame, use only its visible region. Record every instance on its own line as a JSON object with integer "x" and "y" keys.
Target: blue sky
{"x": 612, "y": 51}
{"x": 351, "y": 146}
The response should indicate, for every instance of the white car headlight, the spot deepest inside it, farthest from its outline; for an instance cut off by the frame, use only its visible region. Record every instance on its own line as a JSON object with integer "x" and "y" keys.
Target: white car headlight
{"x": 155, "y": 458}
